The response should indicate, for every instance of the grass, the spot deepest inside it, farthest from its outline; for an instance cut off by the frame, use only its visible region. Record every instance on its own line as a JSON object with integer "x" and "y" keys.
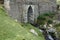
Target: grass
{"x": 29, "y": 26}
{"x": 11, "y": 30}
{"x": 58, "y": 2}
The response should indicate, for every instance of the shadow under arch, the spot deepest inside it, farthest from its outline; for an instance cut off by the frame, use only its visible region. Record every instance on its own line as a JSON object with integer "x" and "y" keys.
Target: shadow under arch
{"x": 1, "y": 1}
{"x": 30, "y": 14}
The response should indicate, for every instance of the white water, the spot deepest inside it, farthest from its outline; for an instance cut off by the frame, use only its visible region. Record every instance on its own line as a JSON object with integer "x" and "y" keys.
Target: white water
{"x": 49, "y": 36}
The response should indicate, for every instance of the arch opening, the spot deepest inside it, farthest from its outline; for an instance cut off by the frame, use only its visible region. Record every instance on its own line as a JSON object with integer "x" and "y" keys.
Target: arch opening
{"x": 30, "y": 14}
{"x": 30, "y": 10}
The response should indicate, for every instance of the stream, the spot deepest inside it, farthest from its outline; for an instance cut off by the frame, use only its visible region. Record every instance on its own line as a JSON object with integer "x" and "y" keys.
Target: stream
{"x": 47, "y": 35}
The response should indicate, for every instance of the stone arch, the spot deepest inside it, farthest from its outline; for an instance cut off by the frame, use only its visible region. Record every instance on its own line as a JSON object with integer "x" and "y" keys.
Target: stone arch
{"x": 30, "y": 14}
{"x": 30, "y": 10}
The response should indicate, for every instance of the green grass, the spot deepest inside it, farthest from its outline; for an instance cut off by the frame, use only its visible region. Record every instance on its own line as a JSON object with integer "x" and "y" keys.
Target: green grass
{"x": 58, "y": 2}
{"x": 29, "y": 26}
{"x": 11, "y": 30}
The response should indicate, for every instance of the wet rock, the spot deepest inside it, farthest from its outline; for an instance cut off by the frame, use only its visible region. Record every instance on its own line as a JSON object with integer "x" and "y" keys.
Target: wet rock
{"x": 50, "y": 37}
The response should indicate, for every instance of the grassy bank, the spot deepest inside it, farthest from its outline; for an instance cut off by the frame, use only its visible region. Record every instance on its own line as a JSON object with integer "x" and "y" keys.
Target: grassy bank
{"x": 11, "y": 30}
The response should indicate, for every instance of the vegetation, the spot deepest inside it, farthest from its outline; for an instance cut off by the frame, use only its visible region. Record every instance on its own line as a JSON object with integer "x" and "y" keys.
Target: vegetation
{"x": 48, "y": 19}
{"x": 58, "y": 2}
{"x": 45, "y": 18}
{"x": 11, "y": 30}
{"x": 57, "y": 26}
{"x": 29, "y": 26}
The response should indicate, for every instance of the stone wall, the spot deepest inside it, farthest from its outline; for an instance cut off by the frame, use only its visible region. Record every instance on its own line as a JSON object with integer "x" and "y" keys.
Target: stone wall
{"x": 17, "y": 9}
{"x": 34, "y": 14}
{"x": 46, "y": 6}
{"x": 12, "y": 8}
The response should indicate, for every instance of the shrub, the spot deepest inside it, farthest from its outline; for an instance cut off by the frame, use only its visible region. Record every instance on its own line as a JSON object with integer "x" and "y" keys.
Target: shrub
{"x": 45, "y": 18}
